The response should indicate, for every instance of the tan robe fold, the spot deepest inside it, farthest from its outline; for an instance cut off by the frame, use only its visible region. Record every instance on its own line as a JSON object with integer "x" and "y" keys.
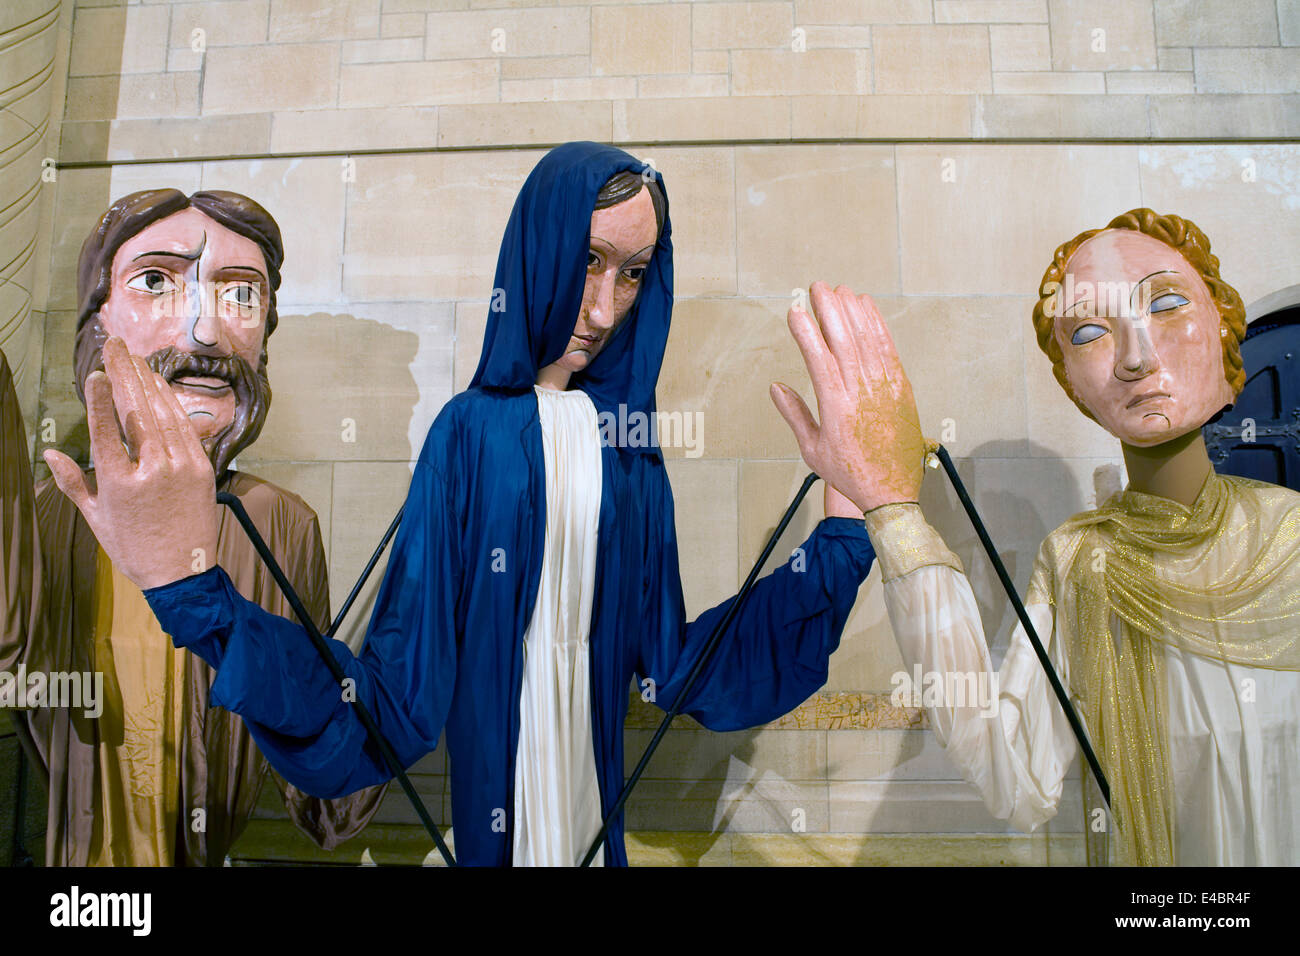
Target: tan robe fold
{"x": 49, "y": 616}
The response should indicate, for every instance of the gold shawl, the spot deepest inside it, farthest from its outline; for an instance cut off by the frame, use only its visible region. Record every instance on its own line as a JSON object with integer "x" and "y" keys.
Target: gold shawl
{"x": 1220, "y": 579}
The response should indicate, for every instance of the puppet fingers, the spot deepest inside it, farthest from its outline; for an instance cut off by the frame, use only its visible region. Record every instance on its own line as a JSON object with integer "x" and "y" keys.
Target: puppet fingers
{"x": 174, "y": 428}
{"x": 131, "y": 398}
{"x": 837, "y": 328}
{"x": 827, "y": 384}
{"x": 864, "y": 320}
{"x": 105, "y": 440}
{"x": 881, "y": 341}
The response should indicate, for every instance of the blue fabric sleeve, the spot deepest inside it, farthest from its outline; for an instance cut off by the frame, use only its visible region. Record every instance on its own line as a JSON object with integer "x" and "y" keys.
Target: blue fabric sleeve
{"x": 269, "y": 673}
{"x": 776, "y": 651}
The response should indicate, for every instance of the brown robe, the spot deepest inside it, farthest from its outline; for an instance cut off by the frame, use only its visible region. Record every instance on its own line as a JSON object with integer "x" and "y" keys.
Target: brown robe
{"x": 47, "y": 582}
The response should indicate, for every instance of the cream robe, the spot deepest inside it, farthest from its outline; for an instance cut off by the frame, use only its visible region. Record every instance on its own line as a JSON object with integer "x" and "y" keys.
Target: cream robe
{"x": 1233, "y": 729}
{"x": 557, "y": 795}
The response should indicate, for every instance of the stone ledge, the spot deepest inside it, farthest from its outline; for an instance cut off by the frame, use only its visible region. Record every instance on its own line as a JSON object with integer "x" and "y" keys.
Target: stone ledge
{"x": 843, "y": 710}
{"x": 277, "y": 843}
{"x": 718, "y": 120}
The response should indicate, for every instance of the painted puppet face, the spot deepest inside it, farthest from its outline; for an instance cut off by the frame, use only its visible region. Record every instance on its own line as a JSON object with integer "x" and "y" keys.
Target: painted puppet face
{"x": 192, "y": 296}
{"x": 1140, "y": 338}
{"x": 622, "y": 241}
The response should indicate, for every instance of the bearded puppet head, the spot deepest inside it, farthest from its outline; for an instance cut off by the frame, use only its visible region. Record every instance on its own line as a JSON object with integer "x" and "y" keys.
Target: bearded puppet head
{"x": 189, "y": 283}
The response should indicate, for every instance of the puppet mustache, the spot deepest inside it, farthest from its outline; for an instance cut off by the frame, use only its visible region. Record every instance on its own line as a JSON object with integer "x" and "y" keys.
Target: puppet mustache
{"x": 173, "y": 363}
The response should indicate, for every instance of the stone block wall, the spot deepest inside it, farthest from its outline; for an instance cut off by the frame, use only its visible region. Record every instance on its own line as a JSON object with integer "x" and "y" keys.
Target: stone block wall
{"x": 930, "y": 152}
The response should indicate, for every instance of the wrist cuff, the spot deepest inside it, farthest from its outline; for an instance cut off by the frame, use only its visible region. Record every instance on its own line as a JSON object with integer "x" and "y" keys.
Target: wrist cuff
{"x": 904, "y": 540}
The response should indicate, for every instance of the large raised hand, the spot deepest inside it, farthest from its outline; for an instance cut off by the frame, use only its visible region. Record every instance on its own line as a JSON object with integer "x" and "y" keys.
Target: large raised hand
{"x": 154, "y": 509}
{"x": 868, "y": 444}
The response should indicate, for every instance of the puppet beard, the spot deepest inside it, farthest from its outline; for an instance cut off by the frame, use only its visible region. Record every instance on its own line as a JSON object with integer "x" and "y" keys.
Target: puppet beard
{"x": 252, "y": 391}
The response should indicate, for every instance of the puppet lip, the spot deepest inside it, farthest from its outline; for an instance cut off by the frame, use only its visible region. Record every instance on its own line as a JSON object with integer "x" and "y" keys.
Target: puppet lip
{"x": 206, "y": 382}
{"x": 1145, "y": 397}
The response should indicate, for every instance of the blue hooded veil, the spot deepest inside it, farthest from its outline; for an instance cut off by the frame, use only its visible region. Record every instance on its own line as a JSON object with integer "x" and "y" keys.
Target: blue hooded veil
{"x": 540, "y": 276}
{"x": 444, "y": 650}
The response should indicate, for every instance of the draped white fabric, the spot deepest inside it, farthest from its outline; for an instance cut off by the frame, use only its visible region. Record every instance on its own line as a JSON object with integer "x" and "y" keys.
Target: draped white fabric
{"x": 1234, "y": 730}
{"x": 557, "y": 795}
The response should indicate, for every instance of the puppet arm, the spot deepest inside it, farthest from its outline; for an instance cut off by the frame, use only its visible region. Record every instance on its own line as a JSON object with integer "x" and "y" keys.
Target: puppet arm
{"x": 20, "y": 552}
{"x": 269, "y": 673}
{"x": 1004, "y": 729}
{"x": 327, "y": 822}
{"x": 776, "y": 650}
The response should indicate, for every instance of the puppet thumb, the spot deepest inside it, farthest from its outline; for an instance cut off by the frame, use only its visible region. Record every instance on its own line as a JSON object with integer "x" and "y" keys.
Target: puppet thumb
{"x": 69, "y": 478}
{"x": 796, "y": 414}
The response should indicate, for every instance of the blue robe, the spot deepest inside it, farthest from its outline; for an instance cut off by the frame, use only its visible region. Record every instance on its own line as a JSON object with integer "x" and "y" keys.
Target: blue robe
{"x": 444, "y": 650}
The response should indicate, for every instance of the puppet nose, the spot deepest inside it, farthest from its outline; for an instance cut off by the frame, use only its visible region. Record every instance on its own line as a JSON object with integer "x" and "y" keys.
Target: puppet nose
{"x": 600, "y": 316}
{"x": 206, "y": 328}
{"x": 1135, "y": 355}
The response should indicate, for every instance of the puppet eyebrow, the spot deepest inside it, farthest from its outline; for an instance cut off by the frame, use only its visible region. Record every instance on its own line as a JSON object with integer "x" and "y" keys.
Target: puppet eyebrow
{"x": 638, "y": 252}
{"x": 1137, "y": 285}
{"x": 168, "y": 254}
{"x": 1077, "y": 302}
{"x": 254, "y": 271}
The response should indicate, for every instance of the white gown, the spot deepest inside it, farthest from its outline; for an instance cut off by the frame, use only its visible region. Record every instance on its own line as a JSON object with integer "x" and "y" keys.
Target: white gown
{"x": 557, "y": 795}
{"x": 1234, "y": 730}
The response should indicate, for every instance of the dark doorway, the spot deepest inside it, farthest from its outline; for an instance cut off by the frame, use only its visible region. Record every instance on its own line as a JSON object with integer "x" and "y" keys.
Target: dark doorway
{"x": 1260, "y": 436}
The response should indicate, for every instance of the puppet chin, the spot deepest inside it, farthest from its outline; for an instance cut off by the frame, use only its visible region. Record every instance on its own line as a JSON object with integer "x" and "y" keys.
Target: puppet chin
{"x": 577, "y": 360}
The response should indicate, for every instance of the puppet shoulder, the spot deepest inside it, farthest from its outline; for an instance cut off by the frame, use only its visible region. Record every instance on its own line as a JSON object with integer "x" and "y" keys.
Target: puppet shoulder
{"x": 473, "y": 421}
{"x": 273, "y": 507}
{"x": 1055, "y": 558}
{"x": 1275, "y": 501}
{"x": 477, "y": 406}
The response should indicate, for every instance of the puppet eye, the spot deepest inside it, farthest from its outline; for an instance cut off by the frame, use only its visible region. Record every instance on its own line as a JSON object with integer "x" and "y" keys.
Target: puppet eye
{"x": 1163, "y": 303}
{"x": 1087, "y": 333}
{"x": 635, "y": 273}
{"x": 153, "y": 281}
{"x": 243, "y": 295}
{"x": 593, "y": 259}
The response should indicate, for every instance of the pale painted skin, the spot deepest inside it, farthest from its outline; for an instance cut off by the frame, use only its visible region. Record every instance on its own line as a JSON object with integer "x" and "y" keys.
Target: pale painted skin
{"x": 1149, "y": 367}
{"x": 622, "y": 241}
{"x": 188, "y": 282}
